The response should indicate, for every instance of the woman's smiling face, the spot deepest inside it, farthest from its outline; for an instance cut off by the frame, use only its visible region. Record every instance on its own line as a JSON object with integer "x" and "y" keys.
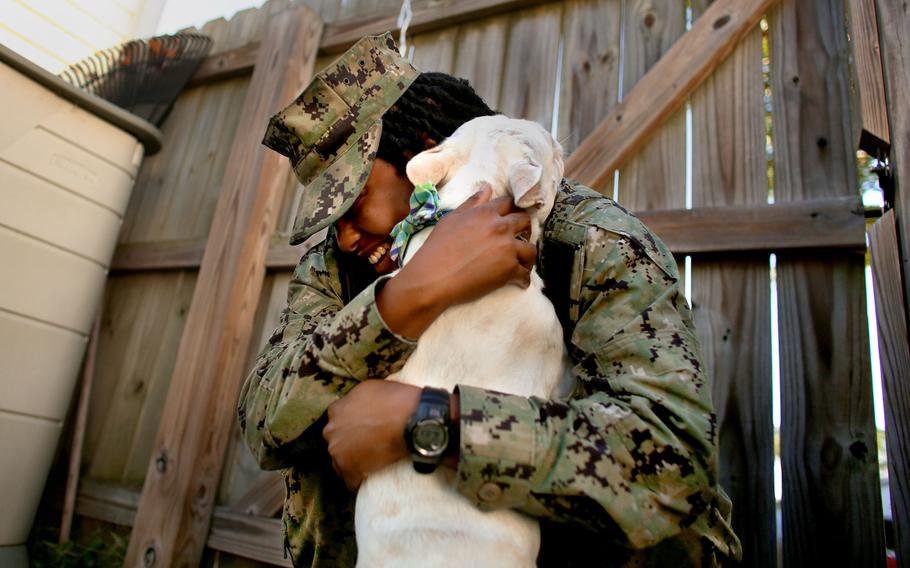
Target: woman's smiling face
{"x": 382, "y": 203}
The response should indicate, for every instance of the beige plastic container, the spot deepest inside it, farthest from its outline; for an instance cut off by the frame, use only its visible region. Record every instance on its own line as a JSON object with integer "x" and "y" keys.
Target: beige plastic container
{"x": 68, "y": 162}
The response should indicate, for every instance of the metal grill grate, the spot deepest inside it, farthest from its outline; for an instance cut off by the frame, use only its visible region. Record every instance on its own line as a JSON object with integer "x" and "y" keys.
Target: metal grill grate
{"x": 143, "y": 76}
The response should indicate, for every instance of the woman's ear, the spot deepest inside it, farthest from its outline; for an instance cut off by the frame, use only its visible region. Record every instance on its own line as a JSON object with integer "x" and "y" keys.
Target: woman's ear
{"x": 430, "y": 165}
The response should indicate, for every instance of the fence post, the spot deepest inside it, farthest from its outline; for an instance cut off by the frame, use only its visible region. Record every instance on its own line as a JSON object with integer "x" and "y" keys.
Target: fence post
{"x": 831, "y": 503}
{"x": 892, "y": 337}
{"x": 180, "y": 487}
{"x": 894, "y": 38}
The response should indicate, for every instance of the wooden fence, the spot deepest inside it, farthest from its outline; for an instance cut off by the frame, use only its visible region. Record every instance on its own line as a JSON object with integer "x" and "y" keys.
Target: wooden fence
{"x": 614, "y": 80}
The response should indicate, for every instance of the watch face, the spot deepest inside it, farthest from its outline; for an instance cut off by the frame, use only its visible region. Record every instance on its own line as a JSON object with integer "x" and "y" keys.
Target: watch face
{"x": 430, "y": 438}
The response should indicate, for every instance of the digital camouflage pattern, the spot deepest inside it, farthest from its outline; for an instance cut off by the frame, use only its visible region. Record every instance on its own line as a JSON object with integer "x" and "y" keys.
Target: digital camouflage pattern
{"x": 624, "y": 472}
{"x": 332, "y": 129}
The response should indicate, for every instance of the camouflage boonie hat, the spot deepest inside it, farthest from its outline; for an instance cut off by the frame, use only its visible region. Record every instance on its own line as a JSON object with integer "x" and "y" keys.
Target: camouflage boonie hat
{"x": 331, "y": 131}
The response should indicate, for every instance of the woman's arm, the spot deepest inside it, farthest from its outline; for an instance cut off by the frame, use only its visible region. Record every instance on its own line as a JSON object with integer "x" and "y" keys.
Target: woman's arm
{"x": 321, "y": 349}
{"x": 471, "y": 252}
{"x": 636, "y": 448}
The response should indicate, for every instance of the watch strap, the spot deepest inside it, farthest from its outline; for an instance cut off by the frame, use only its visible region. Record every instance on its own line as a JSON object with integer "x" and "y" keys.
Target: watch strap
{"x": 424, "y": 466}
{"x": 433, "y": 405}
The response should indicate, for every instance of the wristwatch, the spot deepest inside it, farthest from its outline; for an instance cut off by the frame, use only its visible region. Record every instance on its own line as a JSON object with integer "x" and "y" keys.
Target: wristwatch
{"x": 429, "y": 431}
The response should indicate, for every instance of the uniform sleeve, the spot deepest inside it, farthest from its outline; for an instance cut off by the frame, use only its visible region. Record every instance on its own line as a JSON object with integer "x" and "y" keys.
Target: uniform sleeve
{"x": 634, "y": 447}
{"x": 320, "y": 350}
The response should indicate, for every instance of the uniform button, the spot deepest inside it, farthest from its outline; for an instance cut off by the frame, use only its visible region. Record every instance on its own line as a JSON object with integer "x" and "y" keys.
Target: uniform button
{"x": 489, "y": 492}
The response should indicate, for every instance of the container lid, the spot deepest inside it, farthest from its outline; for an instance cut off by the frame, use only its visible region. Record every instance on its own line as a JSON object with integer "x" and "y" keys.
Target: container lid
{"x": 144, "y": 131}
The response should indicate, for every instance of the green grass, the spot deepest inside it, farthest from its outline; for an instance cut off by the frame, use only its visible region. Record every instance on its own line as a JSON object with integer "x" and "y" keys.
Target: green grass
{"x": 102, "y": 548}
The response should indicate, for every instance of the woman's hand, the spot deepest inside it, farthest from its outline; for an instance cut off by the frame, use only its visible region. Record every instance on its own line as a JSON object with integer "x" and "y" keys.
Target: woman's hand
{"x": 471, "y": 252}
{"x": 365, "y": 431}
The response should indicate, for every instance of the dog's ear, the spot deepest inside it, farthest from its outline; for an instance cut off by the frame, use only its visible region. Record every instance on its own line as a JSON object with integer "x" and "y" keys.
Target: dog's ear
{"x": 524, "y": 179}
{"x": 430, "y": 165}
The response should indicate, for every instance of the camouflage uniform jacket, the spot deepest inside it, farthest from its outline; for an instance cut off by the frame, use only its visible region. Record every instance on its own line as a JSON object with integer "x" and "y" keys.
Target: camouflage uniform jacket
{"x": 623, "y": 473}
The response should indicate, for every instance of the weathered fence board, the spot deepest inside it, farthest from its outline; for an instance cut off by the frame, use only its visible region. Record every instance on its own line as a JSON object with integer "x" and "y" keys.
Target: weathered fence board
{"x": 589, "y": 85}
{"x": 174, "y": 199}
{"x": 180, "y": 486}
{"x": 250, "y": 537}
{"x": 367, "y": 8}
{"x": 253, "y": 537}
{"x": 428, "y": 15}
{"x": 175, "y": 191}
{"x": 831, "y": 501}
{"x": 481, "y": 55}
{"x": 154, "y": 211}
{"x": 533, "y": 44}
{"x": 225, "y": 65}
{"x": 832, "y": 512}
{"x": 241, "y": 472}
{"x": 893, "y": 341}
{"x": 143, "y": 320}
{"x": 655, "y": 178}
{"x": 664, "y": 89}
{"x": 264, "y": 497}
{"x": 837, "y": 223}
{"x": 874, "y": 131}
{"x": 328, "y": 10}
{"x": 731, "y": 295}
{"x": 435, "y": 51}
{"x": 802, "y": 225}
{"x": 341, "y": 34}
{"x": 894, "y": 29}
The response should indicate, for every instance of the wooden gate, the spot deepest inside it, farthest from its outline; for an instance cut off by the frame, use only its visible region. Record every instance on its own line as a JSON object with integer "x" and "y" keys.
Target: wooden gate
{"x": 686, "y": 101}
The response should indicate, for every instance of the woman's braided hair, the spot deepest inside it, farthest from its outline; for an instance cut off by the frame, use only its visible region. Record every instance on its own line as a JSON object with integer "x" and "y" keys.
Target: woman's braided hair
{"x": 427, "y": 113}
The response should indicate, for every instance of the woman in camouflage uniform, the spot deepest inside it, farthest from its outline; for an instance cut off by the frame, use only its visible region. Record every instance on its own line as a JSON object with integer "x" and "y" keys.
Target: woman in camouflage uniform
{"x": 624, "y": 473}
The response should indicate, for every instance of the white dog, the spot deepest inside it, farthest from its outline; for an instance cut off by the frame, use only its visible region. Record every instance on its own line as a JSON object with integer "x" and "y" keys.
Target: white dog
{"x": 510, "y": 341}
